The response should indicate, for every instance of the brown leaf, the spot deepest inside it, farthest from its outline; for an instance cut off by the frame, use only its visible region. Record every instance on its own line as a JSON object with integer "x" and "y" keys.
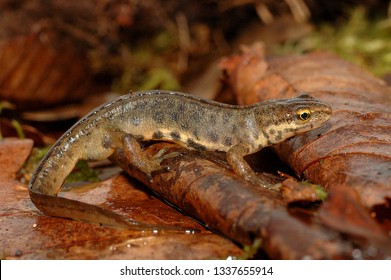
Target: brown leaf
{"x": 228, "y": 204}
{"x": 26, "y": 233}
{"x": 293, "y": 191}
{"x": 13, "y": 154}
{"x": 33, "y": 70}
{"x": 344, "y": 212}
{"x": 354, "y": 147}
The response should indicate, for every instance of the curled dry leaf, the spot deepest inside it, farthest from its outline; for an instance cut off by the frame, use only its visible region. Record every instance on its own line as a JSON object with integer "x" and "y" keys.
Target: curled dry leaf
{"x": 354, "y": 147}
{"x": 354, "y": 219}
{"x": 230, "y": 205}
{"x": 41, "y": 69}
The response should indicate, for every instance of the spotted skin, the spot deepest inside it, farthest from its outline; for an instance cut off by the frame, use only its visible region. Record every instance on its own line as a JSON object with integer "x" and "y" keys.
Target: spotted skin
{"x": 171, "y": 116}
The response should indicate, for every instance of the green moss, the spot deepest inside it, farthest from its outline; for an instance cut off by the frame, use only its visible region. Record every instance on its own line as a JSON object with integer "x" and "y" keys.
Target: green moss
{"x": 81, "y": 173}
{"x": 160, "y": 78}
{"x": 320, "y": 192}
{"x": 363, "y": 41}
{"x": 149, "y": 65}
{"x": 35, "y": 157}
{"x": 250, "y": 251}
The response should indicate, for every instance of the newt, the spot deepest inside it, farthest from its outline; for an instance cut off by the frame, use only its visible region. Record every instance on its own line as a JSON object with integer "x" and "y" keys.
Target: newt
{"x": 190, "y": 121}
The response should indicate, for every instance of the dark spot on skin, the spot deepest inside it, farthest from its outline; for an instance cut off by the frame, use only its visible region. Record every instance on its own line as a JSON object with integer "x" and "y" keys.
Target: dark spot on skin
{"x": 212, "y": 119}
{"x": 226, "y": 117}
{"x": 227, "y": 141}
{"x": 175, "y": 135}
{"x": 174, "y": 116}
{"x": 269, "y": 142}
{"x": 181, "y": 107}
{"x": 278, "y": 138}
{"x": 265, "y": 134}
{"x": 272, "y": 131}
{"x": 110, "y": 116}
{"x": 196, "y": 133}
{"x": 213, "y": 136}
{"x": 195, "y": 116}
{"x": 158, "y": 116}
{"x": 139, "y": 137}
{"x": 234, "y": 128}
{"x": 139, "y": 106}
{"x": 136, "y": 121}
{"x": 157, "y": 135}
{"x": 106, "y": 142}
{"x": 170, "y": 103}
{"x": 195, "y": 145}
{"x": 291, "y": 129}
{"x": 184, "y": 125}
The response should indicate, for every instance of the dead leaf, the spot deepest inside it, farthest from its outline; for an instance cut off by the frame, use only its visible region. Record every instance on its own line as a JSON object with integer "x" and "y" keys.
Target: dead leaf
{"x": 245, "y": 213}
{"x": 25, "y": 233}
{"x": 13, "y": 154}
{"x": 293, "y": 191}
{"x": 49, "y": 59}
{"x": 344, "y": 212}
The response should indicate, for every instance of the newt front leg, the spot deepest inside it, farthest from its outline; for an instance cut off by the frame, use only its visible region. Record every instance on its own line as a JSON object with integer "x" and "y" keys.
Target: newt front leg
{"x": 235, "y": 158}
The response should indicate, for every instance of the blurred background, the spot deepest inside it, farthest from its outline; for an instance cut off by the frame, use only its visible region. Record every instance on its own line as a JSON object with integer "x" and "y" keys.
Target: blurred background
{"x": 59, "y": 59}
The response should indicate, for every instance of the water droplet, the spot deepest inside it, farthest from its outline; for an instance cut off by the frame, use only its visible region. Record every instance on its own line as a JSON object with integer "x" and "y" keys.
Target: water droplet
{"x": 372, "y": 251}
{"x": 357, "y": 254}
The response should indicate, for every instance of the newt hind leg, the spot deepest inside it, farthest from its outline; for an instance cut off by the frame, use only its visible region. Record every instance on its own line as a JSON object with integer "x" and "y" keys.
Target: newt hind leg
{"x": 135, "y": 156}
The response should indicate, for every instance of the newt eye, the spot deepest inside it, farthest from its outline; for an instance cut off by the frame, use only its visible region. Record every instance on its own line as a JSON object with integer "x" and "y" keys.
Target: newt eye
{"x": 304, "y": 114}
